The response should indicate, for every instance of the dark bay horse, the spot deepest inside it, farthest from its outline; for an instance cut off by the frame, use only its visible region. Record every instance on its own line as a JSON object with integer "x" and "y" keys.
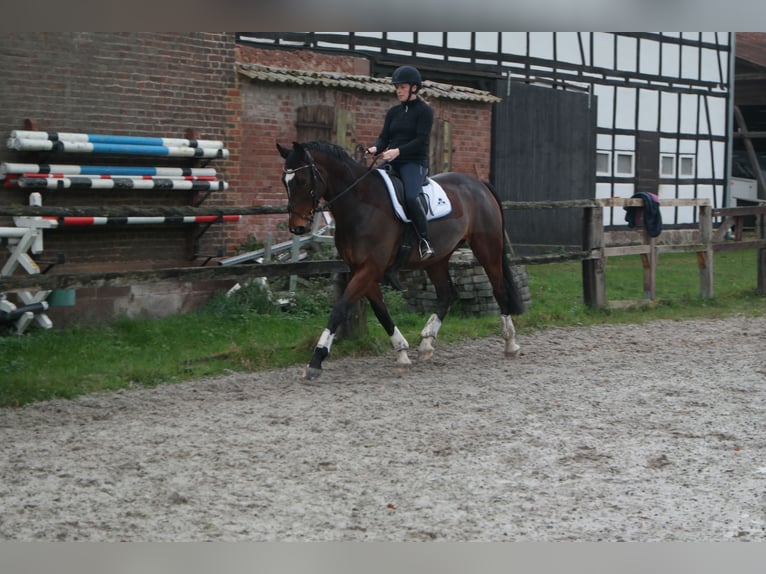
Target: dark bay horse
{"x": 368, "y": 234}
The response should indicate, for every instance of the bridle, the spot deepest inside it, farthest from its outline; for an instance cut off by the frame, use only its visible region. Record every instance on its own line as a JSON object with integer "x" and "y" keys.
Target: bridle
{"x": 317, "y": 175}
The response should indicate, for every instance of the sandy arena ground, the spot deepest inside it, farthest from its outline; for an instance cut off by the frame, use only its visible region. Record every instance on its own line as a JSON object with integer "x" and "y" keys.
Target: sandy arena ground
{"x": 620, "y": 432}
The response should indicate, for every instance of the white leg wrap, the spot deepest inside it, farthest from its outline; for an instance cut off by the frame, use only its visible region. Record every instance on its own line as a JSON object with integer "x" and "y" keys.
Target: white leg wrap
{"x": 400, "y": 345}
{"x": 325, "y": 340}
{"x": 432, "y": 327}
{"x": 509, "y": 334}
{"x": 429, "y": 333}
{"x": 398, "y": 341}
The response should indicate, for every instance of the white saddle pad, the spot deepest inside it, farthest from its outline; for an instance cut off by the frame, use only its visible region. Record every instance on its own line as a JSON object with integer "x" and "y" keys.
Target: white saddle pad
{"x": 438, "y": 203}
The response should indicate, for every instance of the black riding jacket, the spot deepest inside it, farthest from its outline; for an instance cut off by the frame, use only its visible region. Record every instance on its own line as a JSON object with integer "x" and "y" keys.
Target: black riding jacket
{"x": 407, "y": 126}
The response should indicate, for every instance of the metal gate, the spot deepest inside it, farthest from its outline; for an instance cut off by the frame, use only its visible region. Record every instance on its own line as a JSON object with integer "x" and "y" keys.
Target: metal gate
{"x": 544, "y": 148}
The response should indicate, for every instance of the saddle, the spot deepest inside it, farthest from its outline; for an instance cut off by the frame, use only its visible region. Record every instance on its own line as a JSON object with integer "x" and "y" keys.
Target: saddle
{"x": 436, "y": 204}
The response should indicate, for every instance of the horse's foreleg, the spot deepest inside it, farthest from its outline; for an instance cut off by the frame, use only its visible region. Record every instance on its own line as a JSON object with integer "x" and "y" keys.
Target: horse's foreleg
{"x": 512, "y": 348}
{"x": 324, "y": 344}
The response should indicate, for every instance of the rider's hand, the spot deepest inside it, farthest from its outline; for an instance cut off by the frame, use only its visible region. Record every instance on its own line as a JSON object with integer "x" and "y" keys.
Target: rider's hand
{"x": 390, "y": 154}
{"x": 372, "y": 150}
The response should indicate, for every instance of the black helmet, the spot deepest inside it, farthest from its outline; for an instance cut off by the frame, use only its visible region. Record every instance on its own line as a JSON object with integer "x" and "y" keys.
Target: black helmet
{"x": 407, "y": 75}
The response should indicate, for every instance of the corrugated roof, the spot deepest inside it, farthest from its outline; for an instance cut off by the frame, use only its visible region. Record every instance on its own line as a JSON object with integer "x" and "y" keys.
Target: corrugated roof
{"x": 362, "y": 83}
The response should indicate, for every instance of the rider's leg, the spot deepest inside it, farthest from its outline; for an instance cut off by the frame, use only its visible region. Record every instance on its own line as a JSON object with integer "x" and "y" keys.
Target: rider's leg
{"x": 413, "y": 176}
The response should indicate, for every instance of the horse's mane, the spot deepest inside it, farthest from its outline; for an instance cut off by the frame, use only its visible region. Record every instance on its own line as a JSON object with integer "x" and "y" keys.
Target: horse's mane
{"x": 333, "y": 150}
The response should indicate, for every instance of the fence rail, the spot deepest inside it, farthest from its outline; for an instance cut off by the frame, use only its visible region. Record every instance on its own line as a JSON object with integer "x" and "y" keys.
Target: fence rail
{"x": 593, "y": 255}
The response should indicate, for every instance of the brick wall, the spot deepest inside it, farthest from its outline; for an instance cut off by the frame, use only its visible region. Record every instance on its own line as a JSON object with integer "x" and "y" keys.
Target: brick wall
{"x": 160, "y": 84}
{"x": 148, "y": 84}
{"x": 269, "y": 116}
{"x": 142, "y": 83}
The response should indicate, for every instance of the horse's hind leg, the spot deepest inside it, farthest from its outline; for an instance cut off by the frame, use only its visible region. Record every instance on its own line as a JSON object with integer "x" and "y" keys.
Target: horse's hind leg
{"x": 399, "y": 343}
{"x": 445, "y": 295}
{"x": 493, "y": 259}
{"x": 512, "y": 348}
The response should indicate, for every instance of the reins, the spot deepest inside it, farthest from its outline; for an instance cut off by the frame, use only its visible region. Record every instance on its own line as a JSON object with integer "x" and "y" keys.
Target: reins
{"x": 354, "y": 183}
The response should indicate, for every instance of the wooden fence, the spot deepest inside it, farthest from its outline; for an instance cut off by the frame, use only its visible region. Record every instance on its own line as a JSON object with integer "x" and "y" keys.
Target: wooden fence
{"x": 593, "y": 255}
{"x": 595, "y": 252}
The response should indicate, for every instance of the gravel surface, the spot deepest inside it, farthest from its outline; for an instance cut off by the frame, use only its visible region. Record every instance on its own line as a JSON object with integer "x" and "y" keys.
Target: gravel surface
{"x": 619, "y": 432}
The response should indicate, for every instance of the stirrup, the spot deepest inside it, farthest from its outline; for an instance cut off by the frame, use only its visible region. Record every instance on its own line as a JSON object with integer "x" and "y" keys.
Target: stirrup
{"x": 426, "y": 251}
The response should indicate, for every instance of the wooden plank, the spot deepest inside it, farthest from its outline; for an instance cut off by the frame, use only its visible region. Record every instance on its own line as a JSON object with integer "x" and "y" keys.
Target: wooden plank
{"x": 135, "y": 211}
{"x": 638, "y": 202}
{"x": 738, "y": 245}
{"x": 606, "y": 202}
{"x": 126, "y": 278}
{"x": 738, "y": 211}
{"x": 551, "y": 257}
{"x": 571, "y": 203}
{"x": 626, "y": 250}
{"x": 683, "y": 248}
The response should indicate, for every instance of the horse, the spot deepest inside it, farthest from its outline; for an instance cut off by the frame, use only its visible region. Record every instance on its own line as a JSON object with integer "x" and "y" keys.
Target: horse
{"x": 369, "y": 234}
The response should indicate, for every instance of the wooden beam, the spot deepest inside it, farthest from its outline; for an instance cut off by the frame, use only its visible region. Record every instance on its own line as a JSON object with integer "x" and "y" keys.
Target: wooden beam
{"x": 134, "y": 211}
{"x": 752, "y": 156}
{"x": 127, "y": 278}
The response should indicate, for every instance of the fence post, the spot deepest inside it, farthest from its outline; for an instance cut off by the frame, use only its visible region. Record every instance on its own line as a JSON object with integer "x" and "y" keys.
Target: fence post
{"x": 649, "y": 262}
{"x": 593, "y": 268}
{"x": 705, "y": 258}
{"x": 761, "y": 234}
{"x": 295, "y": 252}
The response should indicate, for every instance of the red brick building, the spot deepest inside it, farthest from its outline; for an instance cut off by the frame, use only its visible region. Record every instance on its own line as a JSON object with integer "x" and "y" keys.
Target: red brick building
{"x": 163, "y": 84}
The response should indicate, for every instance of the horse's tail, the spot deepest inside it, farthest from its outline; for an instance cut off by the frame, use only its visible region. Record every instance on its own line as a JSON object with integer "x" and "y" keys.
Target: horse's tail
{"x": 514, "y": 298}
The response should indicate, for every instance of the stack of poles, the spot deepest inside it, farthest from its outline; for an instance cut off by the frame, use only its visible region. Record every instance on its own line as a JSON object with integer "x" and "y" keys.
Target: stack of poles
{"x": 25, "y": 140}
{"x": 60, "y": 176}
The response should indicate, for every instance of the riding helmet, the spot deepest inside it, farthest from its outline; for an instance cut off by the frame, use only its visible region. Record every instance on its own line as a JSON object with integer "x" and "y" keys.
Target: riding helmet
{"x": 407, "y": 75}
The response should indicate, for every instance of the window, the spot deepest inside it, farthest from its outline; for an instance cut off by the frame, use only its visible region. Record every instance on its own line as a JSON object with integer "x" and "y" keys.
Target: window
{"x": 667, "y": 165}
{"x": 623, "y": 164}
{"x": 686, "y": 166}
{"x": 603, "y": 163}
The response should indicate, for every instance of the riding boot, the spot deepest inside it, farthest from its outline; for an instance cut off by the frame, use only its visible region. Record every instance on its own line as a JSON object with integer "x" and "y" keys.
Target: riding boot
{"x": 421, "y": 226}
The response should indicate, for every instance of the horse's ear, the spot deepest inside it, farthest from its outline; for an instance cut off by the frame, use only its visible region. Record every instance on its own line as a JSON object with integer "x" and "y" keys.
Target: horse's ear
{"x": 284, "y": 152}
{"x": 302, "y": 151}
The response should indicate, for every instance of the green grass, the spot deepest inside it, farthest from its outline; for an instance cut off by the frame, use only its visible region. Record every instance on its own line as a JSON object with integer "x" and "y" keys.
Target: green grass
{"x": 245, "y": 333}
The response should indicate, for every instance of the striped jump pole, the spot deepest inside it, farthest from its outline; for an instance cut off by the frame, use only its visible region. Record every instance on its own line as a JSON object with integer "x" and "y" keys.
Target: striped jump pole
{"x": 26, "y": 144}
{"x": 114, "y": 139}
{"x": 7, "y": 168}
{"x": 58, "y": 183}
{"x": 75, "y": 220}
{"x": 104, "y": 176}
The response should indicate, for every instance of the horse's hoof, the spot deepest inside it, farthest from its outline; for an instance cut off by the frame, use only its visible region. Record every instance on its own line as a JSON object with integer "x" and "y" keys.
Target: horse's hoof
{"x": 424, "y": 356}
{"x": 312, "y": 373}
{"x": 513, "y": 353}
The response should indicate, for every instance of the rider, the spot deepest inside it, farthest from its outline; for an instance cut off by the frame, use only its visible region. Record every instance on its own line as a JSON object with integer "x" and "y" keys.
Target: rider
{"x": 404, "y": 140}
